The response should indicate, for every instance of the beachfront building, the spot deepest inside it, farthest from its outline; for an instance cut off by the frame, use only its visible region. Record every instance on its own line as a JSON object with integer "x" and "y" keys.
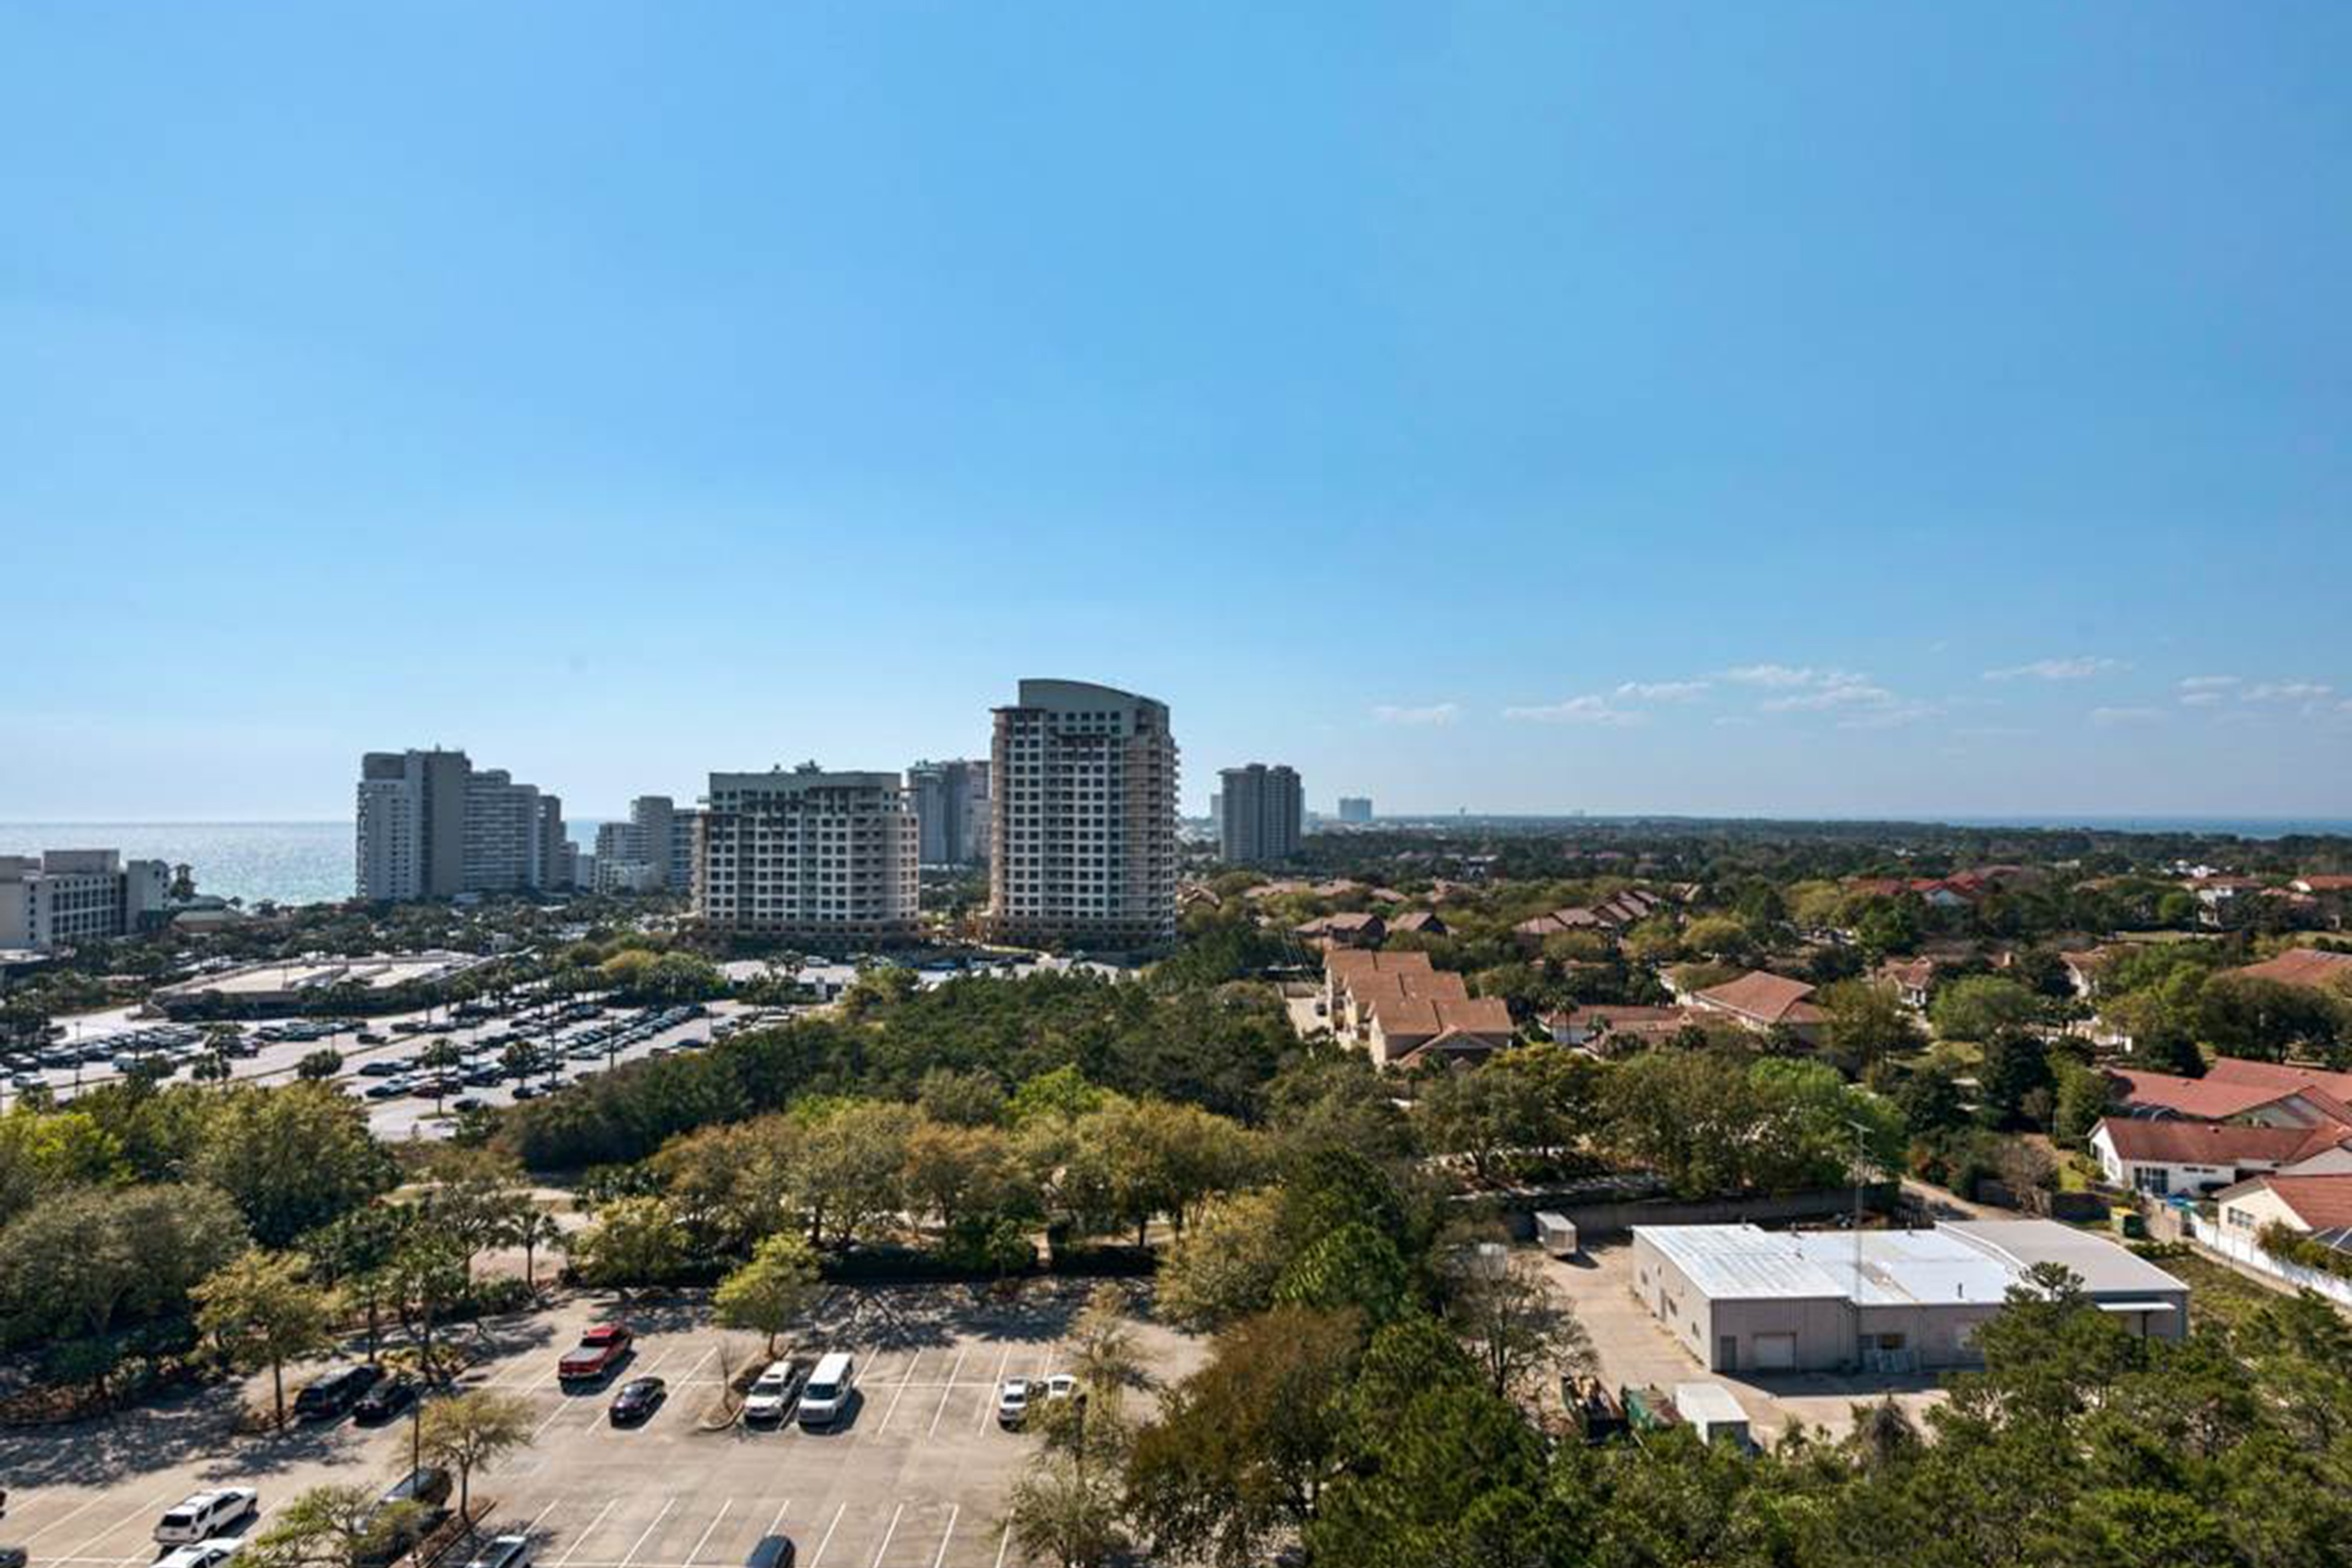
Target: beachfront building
{"x": 826, "y": 859}
{"x": 60, "y": 897}
{"x": 1082, "y": 818}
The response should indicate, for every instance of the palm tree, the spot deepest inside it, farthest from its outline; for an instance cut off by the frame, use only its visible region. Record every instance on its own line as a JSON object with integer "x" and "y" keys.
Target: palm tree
{"x": 531, "y": 1227}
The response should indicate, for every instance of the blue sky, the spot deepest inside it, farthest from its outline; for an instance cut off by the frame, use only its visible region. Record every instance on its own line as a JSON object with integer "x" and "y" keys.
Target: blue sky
{"x": 1803, "y": 408}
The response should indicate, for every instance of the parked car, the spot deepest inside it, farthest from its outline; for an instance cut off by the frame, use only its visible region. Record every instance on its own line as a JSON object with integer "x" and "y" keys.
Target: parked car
{"x": 338, "y": 1391}
{"x": 1012, "y": 1397}
{"x": 209, "y": 1553}
{"x": 428, "y": 1486}
{"x": 772, "y": 1394}
{"x": 427, "y": 1491}
{"x": 639, "y": 1397}
{"x": 200, "y": 1517}
{"x": 503, "y": 1552}
{"x": 770, "y": 1551}
{"x": 602, "y": 1347}
{"x": 385, "y": 1400}
{"x": 827, "y": 1395}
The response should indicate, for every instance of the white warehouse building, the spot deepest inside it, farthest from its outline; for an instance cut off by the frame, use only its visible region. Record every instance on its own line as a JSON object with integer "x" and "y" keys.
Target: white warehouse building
{"x": 1742, "y": 1298}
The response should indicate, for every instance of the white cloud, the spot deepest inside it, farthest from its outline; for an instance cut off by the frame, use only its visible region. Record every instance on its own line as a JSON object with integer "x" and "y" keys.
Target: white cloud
{"x": 1848, "y": 693}
{"x": 1789, "y": 675}
{"x": 2207, "y": 683}
{"x": 1662, "y": 691}
{"x": 2081, "y": 667}
{"x": 2116, "y": 717}
{"x": 1435, "y": 713}
{"x": 1575, "y": 710}
{"x": 2287, "y": 692}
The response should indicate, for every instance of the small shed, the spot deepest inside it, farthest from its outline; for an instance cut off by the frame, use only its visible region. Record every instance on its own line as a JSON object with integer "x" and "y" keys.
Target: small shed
{"x": 1557, "y": 1232}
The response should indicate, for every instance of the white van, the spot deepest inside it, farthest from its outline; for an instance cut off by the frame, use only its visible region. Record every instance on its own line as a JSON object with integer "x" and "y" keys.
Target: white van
{"x": 827, "y": 1392}
{"x": 200, "y": 1518}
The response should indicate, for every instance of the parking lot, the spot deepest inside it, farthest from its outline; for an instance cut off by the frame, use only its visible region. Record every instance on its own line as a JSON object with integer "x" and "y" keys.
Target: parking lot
{"x": 1634, "y": 1349}
{"x": 409, "y": 1114}
{"x": 915, "y": 1476}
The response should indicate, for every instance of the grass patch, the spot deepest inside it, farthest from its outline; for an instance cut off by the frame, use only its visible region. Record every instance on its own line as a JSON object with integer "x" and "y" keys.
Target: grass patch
{"x": 2217, "y": 1294}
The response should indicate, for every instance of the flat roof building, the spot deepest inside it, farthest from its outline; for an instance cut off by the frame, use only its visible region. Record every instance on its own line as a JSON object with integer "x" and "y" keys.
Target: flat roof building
{"x": 59, "y": 897}
{"x": 1741, "y": 1299}
{"x": 817, "y": 857}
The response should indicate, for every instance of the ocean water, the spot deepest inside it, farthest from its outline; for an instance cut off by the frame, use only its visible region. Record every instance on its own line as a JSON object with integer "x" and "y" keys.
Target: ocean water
{"x": 286, "y": 863}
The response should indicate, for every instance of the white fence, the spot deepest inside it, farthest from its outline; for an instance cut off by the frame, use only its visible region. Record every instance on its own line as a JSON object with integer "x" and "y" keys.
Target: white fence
{"x": 2244, "y": 1250}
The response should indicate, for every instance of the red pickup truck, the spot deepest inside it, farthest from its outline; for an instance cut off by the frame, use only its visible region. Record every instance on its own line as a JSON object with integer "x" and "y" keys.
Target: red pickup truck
{"x": 600, "y": 1350}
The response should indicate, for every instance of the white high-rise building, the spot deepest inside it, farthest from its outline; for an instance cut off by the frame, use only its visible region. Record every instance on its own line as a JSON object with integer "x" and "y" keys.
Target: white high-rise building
{"x": 411, "y": 824}
{"x": 1083, "y": 817}
{"x": 811, "y": 856}
{"x": 60, "y": 897}
{"x": 429, "y": 826}
{"x": 653, "y": 852}
{"x": 1261, "y": 815}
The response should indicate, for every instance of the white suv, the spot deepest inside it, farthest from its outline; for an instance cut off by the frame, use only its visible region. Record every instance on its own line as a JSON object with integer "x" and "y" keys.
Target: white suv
{"x": 772, "y": 1395}
{"x": 199, "y": 1517}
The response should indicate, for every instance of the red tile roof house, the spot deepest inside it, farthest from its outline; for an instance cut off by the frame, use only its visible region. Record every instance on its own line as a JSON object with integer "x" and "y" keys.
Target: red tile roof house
{"x": 1761, "y": 1001}
{"x": 1610, "y": 915}
{"x": 2169, "y": 1156}
{"x": 1604, "y": 1029}
{"x": 1344, "y": 930}
{"x": 2251, "y": 1093}
{"x": 1402, "y": 1030}
{"x": 1425, "y": 921}
{"x": 1911, "y": 978}
{"x": 2320, "y": 1206}
{"x": 1353, "y": 976}
{"x": 2301, "y": 967}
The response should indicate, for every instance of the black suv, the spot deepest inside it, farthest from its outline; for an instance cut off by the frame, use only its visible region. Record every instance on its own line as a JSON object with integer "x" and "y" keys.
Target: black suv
{"x": 385, "y": 1400}
{"x": 335, "y": 1393}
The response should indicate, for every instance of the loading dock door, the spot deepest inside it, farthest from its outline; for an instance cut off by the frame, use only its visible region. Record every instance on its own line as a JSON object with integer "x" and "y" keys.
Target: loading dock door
{"x": 1776, "y": 1353}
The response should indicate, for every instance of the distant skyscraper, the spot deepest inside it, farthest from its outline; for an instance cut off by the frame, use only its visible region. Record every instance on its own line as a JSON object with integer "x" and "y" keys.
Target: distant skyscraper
{"x": 1263, "y": 812}
{"x": 428, "y": 826}
{"x": 1355, "y": 809}
{"x": 411, "y": 824}
{"x": 1083, "y": 814}
{"x": 951, "y": 802}
{"x": 816, "y": 857}
{"x": 653, "y": 852}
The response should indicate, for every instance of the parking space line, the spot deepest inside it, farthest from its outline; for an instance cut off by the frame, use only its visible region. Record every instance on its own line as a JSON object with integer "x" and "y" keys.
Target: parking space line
{"x": 946, "y": 1535}
{"x": 818, "y": 1555}
{"x": 83, "y": 1549}
{"x": 63, "y": 1518}
{"x": 698, "y": 1365}
{"x": 705, "y": 1539}
{"x": 884, "y": 1550}
{"x": 610, "y": 1504}
{"x": 906, "y": 1378}
{"x": 1003, "y": 1359}
{"x": 535, "y": 1518}
{"x": 564, "y": 1407}
{"x": 649, "y": 1531}
{"x": 947, "y": 1391}
{"x": 1003, "y": 1545}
